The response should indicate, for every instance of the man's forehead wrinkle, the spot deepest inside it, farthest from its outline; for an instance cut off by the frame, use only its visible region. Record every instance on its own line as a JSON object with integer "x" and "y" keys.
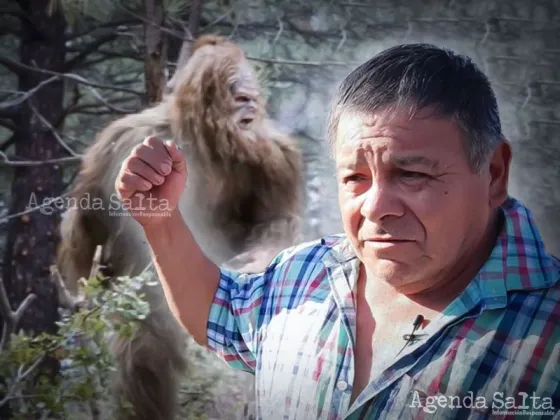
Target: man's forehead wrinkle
{"x": 365, "y": 152}
{"x": 358, "y": 132}
{"x": 373, "y": 127}
{"x": 384, "y": 123}
{"x": 416, "y": 160}
{"x": 391, "y": 140}
{"x": 352, "y": 155}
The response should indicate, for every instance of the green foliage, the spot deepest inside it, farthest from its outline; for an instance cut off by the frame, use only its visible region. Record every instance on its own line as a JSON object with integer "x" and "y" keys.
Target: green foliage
{"x": 81, "y": 347}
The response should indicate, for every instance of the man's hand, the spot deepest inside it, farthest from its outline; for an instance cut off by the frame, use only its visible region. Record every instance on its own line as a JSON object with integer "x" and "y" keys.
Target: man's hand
{"x": 151, "y": 181}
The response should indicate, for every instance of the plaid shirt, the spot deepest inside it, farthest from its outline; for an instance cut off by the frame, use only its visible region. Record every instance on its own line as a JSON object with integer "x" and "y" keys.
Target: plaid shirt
{"x": 293, "y": 326}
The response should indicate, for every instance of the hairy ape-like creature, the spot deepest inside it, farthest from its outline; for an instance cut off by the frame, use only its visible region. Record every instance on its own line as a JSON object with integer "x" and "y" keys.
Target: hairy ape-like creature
{"x": 242, "y": 203}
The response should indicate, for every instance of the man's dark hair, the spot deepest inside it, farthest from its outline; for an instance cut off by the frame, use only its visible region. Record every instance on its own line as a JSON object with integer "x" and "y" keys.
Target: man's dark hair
{"x": 419, "y": 76}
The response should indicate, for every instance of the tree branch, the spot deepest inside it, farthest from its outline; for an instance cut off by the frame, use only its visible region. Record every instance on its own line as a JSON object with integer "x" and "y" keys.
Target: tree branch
{"x": 8, "y": 31}
{"x": 195, "y": 11}
{"x": 156, "y": 52}
{"x": 217, "y": 20}
{"x": 132, "y": 55}
{"x": 47, "y": 124}
{"x": 111, "y": 107}
{"x": 96, "y": 27}
{"x": 12, "y": 65}
{"x": 6, "y": 162}
{"x": 97, "y": 113}
{"x": 11, "y": 318}
{"x": 87, "y": 50}
{"x": 7, "y": 124}
{"x": 4, "y": 146}
{"x": 21, "y": 376}
{"x": 89, "y": 108}
{"x": 148, "y": 22}
{"x": 73, "y": 101}
{"x": 30, "y": 210}
{"x": 7, "y": 114}
{"x": 8, "y": 106}
{"x": 20, "y": 68}
{"x": 302, "y": 63}
{"x": 5, "y": 11}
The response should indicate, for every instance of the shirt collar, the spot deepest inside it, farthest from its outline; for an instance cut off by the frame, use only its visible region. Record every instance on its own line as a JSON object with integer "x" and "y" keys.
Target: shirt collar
{"x": 518, "y": 262}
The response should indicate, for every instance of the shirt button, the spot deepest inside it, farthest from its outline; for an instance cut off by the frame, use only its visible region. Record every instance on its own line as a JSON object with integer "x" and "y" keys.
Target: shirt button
{"x": 342, "y": 385}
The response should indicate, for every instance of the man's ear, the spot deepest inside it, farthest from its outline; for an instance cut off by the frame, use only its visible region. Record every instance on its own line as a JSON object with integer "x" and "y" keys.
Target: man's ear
{"x": 499, "y": 173}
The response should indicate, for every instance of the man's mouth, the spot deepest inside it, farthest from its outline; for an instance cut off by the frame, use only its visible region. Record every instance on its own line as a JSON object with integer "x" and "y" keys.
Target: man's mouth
{"x": 386, "y": 239}
{"x": 385, "y": 243}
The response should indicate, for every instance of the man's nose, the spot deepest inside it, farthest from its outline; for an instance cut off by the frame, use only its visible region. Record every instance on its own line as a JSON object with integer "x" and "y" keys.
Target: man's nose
{"x": 381, "y": 200}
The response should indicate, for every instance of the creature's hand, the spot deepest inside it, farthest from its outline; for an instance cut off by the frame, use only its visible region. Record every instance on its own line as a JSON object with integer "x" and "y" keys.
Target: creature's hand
{"x": 151, "y": 181}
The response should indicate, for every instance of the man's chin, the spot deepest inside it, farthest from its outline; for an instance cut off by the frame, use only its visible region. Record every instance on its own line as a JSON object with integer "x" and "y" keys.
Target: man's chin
{"x": 391, "y": 271}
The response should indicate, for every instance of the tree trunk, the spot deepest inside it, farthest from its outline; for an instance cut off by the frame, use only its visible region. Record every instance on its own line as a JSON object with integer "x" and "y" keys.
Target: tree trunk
{"x": 174, "y": 43}
{"x": 195, "y": 13}
{"x": 32, "y": 238}
{"x": 156, "y": 53}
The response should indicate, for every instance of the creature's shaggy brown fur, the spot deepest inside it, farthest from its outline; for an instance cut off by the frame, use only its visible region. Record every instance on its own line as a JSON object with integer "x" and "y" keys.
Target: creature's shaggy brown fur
{"x": 242, "y": 202}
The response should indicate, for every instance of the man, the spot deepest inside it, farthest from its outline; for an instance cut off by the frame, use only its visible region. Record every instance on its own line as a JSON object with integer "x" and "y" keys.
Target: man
{"x": 438, "y": 300}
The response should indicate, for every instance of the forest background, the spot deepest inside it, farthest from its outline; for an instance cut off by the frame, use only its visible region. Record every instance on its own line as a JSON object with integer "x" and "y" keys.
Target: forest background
{"x": 68, "y": 67}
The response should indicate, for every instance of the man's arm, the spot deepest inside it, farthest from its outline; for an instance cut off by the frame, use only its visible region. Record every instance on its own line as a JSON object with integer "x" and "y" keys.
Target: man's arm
{"x": 189, "y": 279}
{"x": 219, "y": 308}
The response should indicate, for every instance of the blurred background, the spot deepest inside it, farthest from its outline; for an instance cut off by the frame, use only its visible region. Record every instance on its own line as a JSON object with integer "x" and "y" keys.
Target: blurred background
{"x": 67, "y": 67}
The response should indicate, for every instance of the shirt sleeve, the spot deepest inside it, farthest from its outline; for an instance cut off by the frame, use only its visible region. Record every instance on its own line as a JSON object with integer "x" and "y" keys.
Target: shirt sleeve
{"x": 243, "y": 302}
{"x": 234, "y": 318}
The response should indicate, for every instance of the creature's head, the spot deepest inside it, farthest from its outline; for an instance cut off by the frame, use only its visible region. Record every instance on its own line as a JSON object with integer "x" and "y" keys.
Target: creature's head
{"x": 216, "y": 96}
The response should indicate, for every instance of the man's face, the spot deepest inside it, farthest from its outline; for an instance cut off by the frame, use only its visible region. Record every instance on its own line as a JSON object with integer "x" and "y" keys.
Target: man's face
{"x": 410, "y": 204}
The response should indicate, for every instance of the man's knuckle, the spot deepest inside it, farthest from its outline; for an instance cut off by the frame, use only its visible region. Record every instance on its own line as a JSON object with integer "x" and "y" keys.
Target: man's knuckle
{"x": 127, "y": 178}
{"x": 133, "y": 162}
{"x": 151, "y": 141}
{"x": 138, "y": 150}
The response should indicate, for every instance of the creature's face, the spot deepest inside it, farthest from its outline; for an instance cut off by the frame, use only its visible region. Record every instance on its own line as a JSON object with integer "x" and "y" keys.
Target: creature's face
{"x": 410, "y": 203}
{"x": 218, "y": 80}
{"x": 217, "y": 102}
{"x": 244, "y": 95}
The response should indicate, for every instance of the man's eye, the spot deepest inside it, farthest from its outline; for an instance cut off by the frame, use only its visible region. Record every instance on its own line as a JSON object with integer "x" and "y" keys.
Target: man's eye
{"x": 352, "y": 178}
{"x": 413, "y": 175}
